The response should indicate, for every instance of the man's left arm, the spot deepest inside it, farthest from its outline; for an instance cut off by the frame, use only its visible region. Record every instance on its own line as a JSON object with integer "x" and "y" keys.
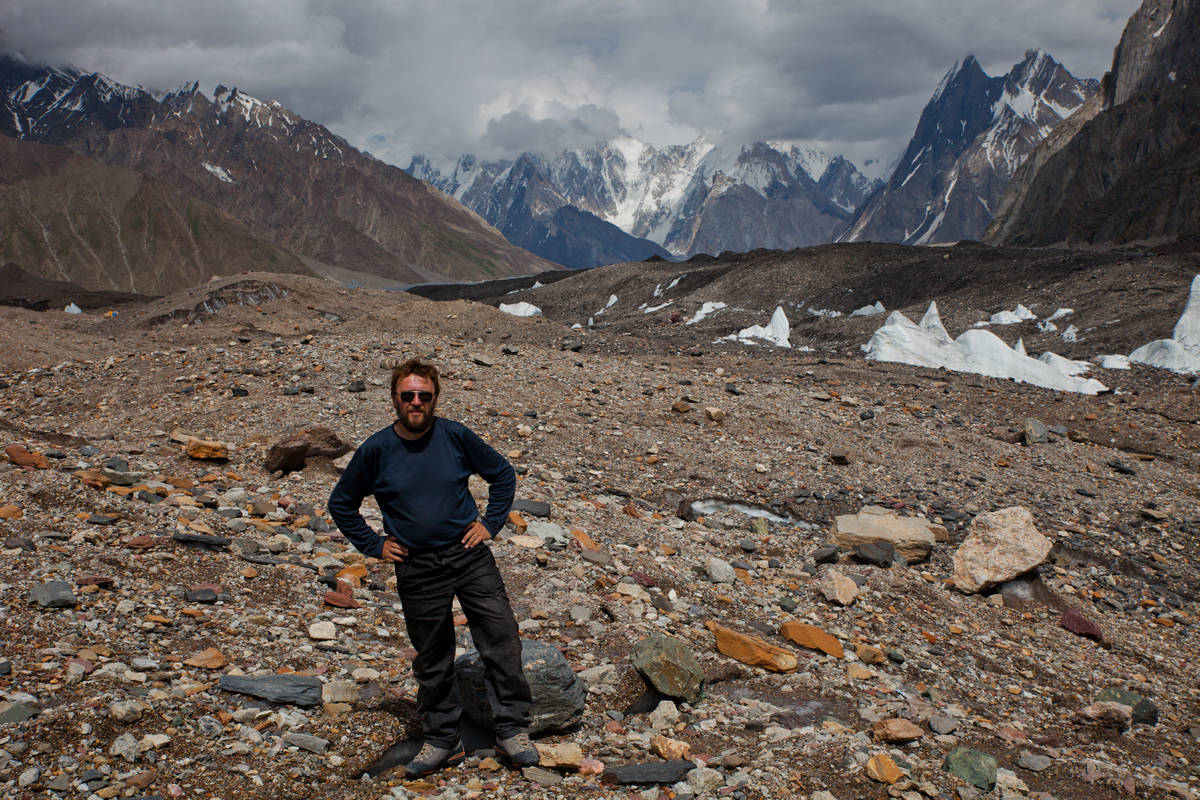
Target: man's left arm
{"x": 502, "y": 487}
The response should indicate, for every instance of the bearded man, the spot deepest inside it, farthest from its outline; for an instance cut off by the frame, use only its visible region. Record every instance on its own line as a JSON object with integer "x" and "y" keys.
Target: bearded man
{"x": 417, "y": 468}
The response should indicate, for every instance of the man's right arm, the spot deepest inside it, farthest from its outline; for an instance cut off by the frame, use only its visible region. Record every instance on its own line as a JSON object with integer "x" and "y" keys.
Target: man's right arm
{"x": 347, "y": 496}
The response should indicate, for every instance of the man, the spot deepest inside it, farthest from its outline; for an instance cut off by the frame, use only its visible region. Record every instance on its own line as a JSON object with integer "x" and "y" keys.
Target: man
{"x": 417, "y": 468}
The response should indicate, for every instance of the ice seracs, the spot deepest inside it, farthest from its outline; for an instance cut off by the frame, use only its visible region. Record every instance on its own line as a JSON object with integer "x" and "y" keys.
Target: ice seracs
{"x": 869, "y": 311}
{"x": 705, "y": 310}
{"x": 977, "y": 351}
{"x": 521, "y": 309}
{"x": 776, "y": 332}
{"x": 1017, "y": 315}
{"x": 1180, "y": 353}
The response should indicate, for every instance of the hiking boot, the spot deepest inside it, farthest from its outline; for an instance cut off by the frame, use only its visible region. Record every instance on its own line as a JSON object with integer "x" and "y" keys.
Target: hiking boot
{"x": 430, "y": 758}
{"x": 518, "y": 749}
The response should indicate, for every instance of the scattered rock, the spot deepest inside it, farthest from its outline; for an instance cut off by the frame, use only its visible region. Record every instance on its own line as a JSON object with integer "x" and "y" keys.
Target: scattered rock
{"x": 54, "y": 594}
{"x": 836, "y": 587}
{"x": 564, "y": 755}
{"x": 752, "y": 650}
{"x": 1073, "y": 620}
{"x": 1107, "y": 714}
{"x": 1034, "y": 432}
{"x": 1000, "y": 546}
{"x": 974, "y": 767}
{"x": 812, "y": 637}
{"x": 292, "y": 452}
{"x": 558, "y": 693}
{"x": 895, "y": 730}
{"x": 210, "y": 658}
{"x": 882, "y": 768}
{"x": 1143, "y": 711}
{"x": 670, "y": 667}
{"x": 659, "y": 772}
{"x": 207, "y": 450}
{"x": 912, "y": 537}
{"x": 298, "y": 690}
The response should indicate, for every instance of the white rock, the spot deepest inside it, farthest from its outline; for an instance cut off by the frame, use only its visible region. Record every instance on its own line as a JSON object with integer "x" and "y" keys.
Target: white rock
{"x": 836, "y": 587}
{"x": 322, "y": 631}
{"x": 1000, "y": 545}
{"x": 720, "y": 571}
{"x": 913, "y": 537}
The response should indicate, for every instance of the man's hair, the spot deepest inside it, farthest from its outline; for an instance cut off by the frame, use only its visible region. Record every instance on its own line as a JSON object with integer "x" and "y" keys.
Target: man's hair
{"x": 415, "y": 366}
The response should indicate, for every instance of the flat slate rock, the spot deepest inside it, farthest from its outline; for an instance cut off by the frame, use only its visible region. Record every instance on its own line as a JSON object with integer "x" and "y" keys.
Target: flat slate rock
{"x": 54, "y": 594}
{"x": 296, "y": 690}
{"x": 15, "y": 712}
{"x": 662, "y": 772}
{"x": 202, "y": 539}
{"x": 200, "y": 596}
{"x": 881, "y": 554}
{"x": 534, "y": 508}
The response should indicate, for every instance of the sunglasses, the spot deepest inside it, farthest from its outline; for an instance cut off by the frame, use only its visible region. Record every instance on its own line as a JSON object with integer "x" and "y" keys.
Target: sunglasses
{"x": 407, "y": 397}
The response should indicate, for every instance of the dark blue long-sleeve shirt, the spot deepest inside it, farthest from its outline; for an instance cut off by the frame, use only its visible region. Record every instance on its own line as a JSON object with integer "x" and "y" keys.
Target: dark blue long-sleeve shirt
{"x": 421, "y": 487}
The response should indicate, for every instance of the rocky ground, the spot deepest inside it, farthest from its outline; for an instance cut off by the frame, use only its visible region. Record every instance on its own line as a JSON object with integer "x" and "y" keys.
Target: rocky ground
{"x": 179, "y": 572}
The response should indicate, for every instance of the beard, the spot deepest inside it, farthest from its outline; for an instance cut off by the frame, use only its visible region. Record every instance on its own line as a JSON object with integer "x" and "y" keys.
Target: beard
{"x": 423, "y": 421}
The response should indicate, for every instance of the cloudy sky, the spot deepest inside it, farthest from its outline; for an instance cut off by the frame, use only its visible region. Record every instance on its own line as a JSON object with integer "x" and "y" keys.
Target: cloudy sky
{"x": 495, "y": 77}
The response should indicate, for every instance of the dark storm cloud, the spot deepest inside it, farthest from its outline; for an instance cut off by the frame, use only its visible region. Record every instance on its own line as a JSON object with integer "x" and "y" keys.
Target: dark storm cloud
{"x": 444, "y": 78}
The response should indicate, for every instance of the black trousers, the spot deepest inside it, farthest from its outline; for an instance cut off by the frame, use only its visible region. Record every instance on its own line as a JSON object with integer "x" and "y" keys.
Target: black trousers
{"x": 427, "y": 582}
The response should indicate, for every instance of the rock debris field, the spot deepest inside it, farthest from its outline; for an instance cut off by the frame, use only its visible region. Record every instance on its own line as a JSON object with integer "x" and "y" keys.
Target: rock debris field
{"x": 777, "y": 574}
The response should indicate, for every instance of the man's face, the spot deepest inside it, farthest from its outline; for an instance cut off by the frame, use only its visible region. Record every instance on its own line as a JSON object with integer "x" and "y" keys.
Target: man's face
{"x": 415, "y": 413}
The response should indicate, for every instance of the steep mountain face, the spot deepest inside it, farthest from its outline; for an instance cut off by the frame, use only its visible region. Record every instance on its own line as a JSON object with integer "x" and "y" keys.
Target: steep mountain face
{"x": 74, "y": 219}
{"x": 522, "y": 200}
{"x": 290, "y": 181}
{"x": 1132, "y": 172}
{"x": 687, "y": 198}
{"x": 972, "y": 135}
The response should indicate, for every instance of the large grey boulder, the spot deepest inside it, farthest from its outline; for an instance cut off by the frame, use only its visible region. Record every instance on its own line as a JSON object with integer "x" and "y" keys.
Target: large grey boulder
{"x": 670, "y": 667}
{"x": 558, "y": 693}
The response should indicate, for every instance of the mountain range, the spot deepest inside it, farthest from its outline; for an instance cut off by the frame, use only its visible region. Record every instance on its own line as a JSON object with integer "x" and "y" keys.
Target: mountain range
{"x": 117, "y": 187}
{"x": 1129, "y": 169}
{"x": 971, "y": 137}
{"x": 678, "y": 200}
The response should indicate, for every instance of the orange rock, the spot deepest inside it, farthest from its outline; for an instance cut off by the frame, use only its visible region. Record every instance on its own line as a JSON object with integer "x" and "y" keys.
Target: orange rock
{"x": 157, "y": 619}
{"x": 752, "y": 650}
{"x": 10, "y": 512}
{"x": 23, "y": 458}
{"x": 212, "y": 658}
{"x": 670, "y": 749}
{"x": 895, "y": 730}
{"x": 180, "y": 482}
{"x": 812, "y": 637}
{"x": 859, "y": 673}
{"x": 882, "y": 768}
{"x": 207, "y": 450}
{"x": 631, "y": 510}
{"x": 517, "y": 521}
{"x": 584, "y": 541}
{"x": 142, "y": 542}
{"x": 339, "y": 600}
{"x": 249, "y": 573}
{"x": 869, "y": 654}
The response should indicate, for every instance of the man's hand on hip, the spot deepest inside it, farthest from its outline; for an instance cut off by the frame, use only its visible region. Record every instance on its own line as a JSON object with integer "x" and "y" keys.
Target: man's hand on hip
{"x": 475, "y": 534}
{"x": 393, "y": 550}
